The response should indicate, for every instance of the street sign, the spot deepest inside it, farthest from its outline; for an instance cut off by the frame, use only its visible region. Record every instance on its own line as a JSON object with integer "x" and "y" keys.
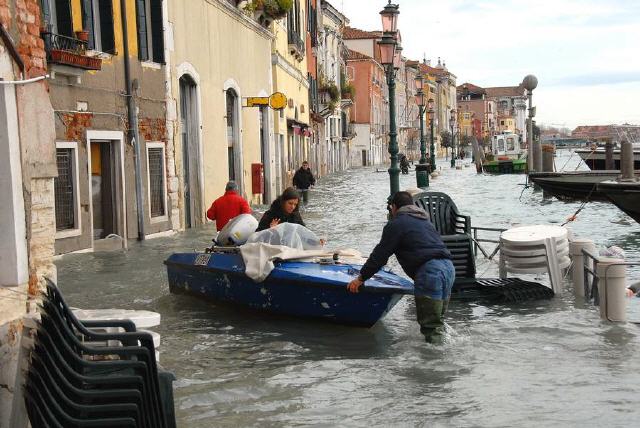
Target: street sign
{"x": 276, "y": 101}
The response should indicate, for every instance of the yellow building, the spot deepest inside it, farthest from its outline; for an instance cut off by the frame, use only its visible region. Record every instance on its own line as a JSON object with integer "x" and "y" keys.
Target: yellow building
{"x": 290, "y": 76}
{"x": 220, "y": 55}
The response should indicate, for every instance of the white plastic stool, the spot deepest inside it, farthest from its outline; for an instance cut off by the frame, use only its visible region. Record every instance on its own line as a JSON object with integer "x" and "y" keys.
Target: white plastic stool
{"x": 535, "y": 249}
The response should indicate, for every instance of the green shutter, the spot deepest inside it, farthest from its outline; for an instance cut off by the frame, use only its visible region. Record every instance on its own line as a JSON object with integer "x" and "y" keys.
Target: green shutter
{"x": 106, "y": 26}
{"x": 157, "y": 31}
{"x": 141, "y": 21}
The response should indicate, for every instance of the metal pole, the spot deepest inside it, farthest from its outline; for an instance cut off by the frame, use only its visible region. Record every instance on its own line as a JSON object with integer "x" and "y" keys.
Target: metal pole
{"x": 530, "y": 133}
{"x": 432, "y": 149}
{"x": 453, "y": 146}
{"x": 132, "y": 115}
{"x": 394, "y": 170}
{"x": 422, "y": 170}
{"x": 423, "y": 144}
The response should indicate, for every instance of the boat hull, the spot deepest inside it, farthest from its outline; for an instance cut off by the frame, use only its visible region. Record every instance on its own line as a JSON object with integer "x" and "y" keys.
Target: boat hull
{"x": 580, "y": 185}
{"x": 625, "y": 196}
{"x": 595, "y": 160}
{"x": 307, "y": 290}
{"x": 510, "y": 166}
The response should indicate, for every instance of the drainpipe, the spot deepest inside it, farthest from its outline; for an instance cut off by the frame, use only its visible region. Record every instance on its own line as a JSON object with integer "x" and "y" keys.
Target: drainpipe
{"x": 132, "y": 114}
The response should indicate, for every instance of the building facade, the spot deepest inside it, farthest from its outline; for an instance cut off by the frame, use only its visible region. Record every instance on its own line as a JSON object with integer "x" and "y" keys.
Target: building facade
{"x": 108, "y": 93}
{"x": 217, "y": 137}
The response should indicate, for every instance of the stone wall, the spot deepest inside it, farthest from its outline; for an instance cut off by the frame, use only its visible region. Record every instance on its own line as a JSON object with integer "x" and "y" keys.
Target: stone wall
{"x": 35, "y": 130}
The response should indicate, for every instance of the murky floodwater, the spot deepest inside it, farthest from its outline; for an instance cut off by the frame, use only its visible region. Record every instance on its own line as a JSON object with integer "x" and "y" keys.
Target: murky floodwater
{"x": 542, "y": 363}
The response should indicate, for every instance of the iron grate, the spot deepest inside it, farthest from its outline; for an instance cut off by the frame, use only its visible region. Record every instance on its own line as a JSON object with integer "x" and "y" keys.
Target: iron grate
{"x": 64, "y": 195}
{"x": 156, "y": 182}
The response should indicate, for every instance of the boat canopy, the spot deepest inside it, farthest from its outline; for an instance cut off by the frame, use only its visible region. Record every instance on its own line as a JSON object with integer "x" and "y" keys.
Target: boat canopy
{"x": 289, "y": 235}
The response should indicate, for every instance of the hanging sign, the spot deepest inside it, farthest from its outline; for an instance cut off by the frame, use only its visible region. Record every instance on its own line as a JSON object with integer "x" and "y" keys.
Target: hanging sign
{"x": 276, "y": 101}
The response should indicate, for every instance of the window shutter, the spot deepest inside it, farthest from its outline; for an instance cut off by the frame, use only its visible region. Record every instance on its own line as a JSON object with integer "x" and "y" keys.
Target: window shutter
{"x": 45, "y": 9}
{"x": 87, "y": 21}
{"x": 157, "y": 31}
{"x": 106, "y": 26}
{"x": 141, "y": 21}
{"x": 63, "y": 15}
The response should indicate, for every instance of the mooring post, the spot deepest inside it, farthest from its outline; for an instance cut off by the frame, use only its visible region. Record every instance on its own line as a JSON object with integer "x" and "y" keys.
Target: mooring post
{"x": 626, "y": 161}
{"x": 612, "y": 289}
{"x": 609, "y": 164}
{"x": 575, "y": 249}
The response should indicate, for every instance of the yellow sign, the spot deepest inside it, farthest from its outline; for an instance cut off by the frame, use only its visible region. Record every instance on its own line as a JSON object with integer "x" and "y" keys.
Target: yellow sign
{"x": 257, "y": 101}
{"x": 276, "y": 101}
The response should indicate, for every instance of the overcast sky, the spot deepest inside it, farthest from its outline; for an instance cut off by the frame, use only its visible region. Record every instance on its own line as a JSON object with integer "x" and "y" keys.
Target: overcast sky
{"x": 585, "y": 53}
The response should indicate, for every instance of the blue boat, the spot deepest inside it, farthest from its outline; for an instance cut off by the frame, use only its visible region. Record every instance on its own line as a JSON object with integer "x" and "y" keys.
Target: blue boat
{"x": 295, "y": 288}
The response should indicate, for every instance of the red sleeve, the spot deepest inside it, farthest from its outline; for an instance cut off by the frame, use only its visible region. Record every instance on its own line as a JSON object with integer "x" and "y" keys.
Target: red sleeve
{"x": 244, "y": 207}
{"x": 211, "y": 212}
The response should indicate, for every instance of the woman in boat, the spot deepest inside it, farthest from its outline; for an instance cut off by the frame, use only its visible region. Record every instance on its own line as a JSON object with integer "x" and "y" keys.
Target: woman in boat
{"x": 285, "y": 209}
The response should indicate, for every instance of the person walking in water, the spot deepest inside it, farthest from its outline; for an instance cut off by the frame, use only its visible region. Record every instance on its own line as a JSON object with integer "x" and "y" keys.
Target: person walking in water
{"x": 423, "y": 256}
{"x": 228, "y": 206}
{"x": 303, "y": 179}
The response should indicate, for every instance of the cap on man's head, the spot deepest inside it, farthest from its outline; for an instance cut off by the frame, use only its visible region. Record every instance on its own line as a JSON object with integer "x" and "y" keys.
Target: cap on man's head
{"x": 231, "y": 185}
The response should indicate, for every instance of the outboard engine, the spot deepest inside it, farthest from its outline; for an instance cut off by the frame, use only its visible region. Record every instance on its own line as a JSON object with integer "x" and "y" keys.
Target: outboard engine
{"x": 237, "y": 231}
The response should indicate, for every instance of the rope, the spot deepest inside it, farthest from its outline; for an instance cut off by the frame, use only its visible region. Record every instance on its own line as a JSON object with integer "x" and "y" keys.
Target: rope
{"x": 573, "y": 217}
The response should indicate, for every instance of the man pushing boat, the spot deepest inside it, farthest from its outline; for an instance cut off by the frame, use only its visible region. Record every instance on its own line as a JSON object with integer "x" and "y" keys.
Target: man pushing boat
{"x": 423, "y": 256}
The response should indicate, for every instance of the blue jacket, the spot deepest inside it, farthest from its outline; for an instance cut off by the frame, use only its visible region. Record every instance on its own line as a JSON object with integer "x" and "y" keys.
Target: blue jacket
{"x": 412, "y": 238}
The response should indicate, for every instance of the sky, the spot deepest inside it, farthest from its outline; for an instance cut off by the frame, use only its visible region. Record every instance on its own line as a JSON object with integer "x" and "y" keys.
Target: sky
{"x": 585, "y": 53}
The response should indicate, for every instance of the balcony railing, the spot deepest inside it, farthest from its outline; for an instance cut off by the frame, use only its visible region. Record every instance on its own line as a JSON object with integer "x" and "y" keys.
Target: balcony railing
{"x": 69, "y": 51}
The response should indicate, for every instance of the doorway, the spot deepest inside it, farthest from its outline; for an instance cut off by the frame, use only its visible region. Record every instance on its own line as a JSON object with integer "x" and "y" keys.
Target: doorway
{"x": 103, "y": 188}
{"x": 190, "y": 139}
{"x": 364, "y": 158}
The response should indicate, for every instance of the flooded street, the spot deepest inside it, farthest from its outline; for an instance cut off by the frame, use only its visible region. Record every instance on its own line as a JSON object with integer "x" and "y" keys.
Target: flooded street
{"x": 542, "y": 363}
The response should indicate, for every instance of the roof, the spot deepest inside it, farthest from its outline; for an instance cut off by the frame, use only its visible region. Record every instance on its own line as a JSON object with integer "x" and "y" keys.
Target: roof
{"x": 505, "y": 91}
{"x": 355, "y": 33}
{"x": 473, "y": 89}
{"x": 354, "y": 55}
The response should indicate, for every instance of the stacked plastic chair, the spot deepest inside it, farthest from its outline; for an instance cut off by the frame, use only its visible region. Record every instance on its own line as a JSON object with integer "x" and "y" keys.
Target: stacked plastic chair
{"x": 534, "y": 250}
{"x": 71, "y": 383}
{"x": 455, "y": 231}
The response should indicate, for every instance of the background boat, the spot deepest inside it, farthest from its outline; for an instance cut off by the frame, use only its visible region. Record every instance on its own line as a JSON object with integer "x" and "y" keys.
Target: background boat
{"x": 625, "y": 195}
{"x": 572, "y": 185}
{"x": 595, "y": 159}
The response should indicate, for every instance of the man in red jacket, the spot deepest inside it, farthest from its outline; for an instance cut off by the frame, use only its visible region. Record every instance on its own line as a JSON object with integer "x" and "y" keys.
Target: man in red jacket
{"x": 228, "y": 206}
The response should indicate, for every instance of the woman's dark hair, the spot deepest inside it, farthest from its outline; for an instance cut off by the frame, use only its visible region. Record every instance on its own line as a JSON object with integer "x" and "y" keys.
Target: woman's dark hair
{"x": 401, "y": 199}
{"x": 288, "y": 194}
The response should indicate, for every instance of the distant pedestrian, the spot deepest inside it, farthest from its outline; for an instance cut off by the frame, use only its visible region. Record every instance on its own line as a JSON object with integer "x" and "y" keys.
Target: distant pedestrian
{"x": 285, "y": 209}
{"x": 423, "y": 256}
{"x": 303, "y": 180}
{"x": 228, "y": 206}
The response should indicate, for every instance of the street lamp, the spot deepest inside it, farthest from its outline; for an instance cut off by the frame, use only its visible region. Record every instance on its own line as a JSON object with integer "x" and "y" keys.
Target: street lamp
{"x": 452, "y": 123}
{"x": 530, "y": 82}
{"x": 432, "y": 148}
{"x": 422, "y": 169}
{"x": 389, "y": 60}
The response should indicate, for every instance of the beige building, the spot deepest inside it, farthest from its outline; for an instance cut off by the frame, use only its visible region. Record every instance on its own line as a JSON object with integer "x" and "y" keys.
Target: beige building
{"x": 290, "y": 76}
{"x": 220, "y": 54}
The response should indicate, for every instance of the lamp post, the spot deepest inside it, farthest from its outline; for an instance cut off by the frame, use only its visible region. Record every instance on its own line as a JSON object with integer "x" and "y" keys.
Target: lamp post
{"x": 389, "y": 60}
{"x": 452, "y": 123}
{"x": 432, "y": 148}
{"x": 530, "y": 82}
{"x": 422, "y": 169}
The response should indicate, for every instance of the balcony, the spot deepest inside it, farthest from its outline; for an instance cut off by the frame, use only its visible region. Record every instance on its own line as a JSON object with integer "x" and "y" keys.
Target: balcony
{"x": 296, "y": 45}
{"x": 69, "y": 51}
{"x": 348, "y": 130}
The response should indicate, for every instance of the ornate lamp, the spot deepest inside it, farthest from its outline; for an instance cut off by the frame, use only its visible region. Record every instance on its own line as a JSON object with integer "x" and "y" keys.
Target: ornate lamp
{"x": 390, "y": 17}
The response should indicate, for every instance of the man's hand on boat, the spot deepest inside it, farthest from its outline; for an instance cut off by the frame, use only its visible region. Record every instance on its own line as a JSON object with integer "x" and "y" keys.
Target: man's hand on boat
{"x": 354, "y": 285}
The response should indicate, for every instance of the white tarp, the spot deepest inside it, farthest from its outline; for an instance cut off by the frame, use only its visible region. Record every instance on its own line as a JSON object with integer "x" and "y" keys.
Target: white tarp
{"x": 287, "y": 241}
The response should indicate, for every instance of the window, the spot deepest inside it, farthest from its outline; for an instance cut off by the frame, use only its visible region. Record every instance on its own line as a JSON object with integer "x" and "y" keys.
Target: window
{"x": 66, "y": 185}
{"x": 56, "y": 16}
{"x": 232, "y": 101}
{"x": 150, "y": 30}
{"x": 156, "y": 181}
{"x": 97, "y": 19}
{"x": 502, "y": 123}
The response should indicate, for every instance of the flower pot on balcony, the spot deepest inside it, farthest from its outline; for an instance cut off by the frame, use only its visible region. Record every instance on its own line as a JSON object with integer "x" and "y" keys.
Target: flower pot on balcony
{"x": 82, "y": 35}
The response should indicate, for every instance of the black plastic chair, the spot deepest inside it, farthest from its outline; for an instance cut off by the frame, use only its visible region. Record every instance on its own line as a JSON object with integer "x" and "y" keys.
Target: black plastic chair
{"x": 454, "y": 229}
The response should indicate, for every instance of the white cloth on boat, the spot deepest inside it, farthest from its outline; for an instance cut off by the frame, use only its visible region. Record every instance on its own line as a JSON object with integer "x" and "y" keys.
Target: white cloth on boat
{"x": 288, "y": 234}
{"x": 259, "y": 257}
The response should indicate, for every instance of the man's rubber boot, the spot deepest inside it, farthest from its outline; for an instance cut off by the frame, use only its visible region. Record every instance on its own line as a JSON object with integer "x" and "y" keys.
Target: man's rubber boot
{"x": 429, "y": 315}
